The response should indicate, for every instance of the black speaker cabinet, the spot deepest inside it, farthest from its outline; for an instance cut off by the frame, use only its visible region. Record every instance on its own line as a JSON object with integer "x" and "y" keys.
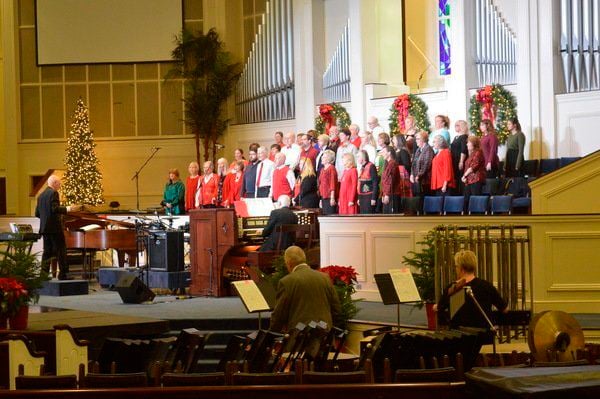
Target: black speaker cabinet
{"x": 165, "y": 250}
{"x": 132, "y": 290}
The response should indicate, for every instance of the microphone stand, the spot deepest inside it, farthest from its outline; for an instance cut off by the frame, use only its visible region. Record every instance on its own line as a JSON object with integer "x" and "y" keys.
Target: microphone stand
{"x": 136, "y": 176}
{"x": 469, "y": 292}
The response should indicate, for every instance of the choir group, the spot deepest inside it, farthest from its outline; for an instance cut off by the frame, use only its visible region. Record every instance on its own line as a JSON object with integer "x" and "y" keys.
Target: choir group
{"x": 349, "y": 171}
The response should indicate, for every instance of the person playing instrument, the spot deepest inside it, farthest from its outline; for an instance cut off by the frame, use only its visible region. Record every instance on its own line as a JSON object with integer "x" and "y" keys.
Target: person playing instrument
{"x": 49, "y": 211}
{"x": 304, "y": 295}
{"x": 280, "y": 216}
{"x": 486, "y": 294}
{"x": 192, "y": 184}
{"x": 174, "y": 194}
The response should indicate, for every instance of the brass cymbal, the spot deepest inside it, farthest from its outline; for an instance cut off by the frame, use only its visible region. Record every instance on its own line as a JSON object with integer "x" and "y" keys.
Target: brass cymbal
{"x": 555, "y": 336}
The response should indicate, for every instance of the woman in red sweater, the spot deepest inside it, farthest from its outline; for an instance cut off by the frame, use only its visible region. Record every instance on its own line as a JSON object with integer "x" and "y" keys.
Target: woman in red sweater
{"x": 442, "y": 171}
{"x": 489, "y": 146}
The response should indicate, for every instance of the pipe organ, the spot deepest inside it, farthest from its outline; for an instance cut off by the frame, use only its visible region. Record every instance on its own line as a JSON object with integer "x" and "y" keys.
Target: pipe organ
{"x": 580, "y": 44}
{"x": 496, "y": 46}
{"x": 336, "y": 79}
{"x": 265, "y": 91}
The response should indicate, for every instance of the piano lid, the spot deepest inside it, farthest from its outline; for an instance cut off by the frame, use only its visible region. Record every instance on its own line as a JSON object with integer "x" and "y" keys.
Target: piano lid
{"x": 78, "y": 220}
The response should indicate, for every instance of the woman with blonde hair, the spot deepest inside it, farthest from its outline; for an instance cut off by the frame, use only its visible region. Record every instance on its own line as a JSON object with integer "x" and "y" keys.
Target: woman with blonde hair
{"x": 348, "y": 187}
{"x": 306, "y": 189}
{"x": 369, "y": 145}
{"x": 223, "y": 185}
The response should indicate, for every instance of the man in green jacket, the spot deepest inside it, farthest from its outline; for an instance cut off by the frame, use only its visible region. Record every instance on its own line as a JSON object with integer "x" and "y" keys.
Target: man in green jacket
{"x": 304, "y": 295}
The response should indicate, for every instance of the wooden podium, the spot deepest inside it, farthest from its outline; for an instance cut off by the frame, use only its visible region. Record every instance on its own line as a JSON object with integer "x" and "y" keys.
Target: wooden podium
{"x": 212, "y": 233}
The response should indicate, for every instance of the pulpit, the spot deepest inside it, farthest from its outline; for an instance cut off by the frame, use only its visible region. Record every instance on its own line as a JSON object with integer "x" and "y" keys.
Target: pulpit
{"x": 212, "y": 234}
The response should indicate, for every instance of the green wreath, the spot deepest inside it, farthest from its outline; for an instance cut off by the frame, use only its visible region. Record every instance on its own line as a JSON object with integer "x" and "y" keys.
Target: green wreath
{"x": 503, "y": 103}
{"x": 415, "y": 106}
{"x": 342, "y": 119}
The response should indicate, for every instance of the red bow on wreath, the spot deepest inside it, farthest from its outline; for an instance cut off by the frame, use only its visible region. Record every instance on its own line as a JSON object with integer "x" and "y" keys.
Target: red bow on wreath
{"x": 484, "y": 97}
{"x": 325, "y": 110}
{"x": 401, "y": 104}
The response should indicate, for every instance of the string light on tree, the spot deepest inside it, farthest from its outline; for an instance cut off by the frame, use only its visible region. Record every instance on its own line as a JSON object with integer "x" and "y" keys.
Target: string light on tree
{"x": 82, "y": 183}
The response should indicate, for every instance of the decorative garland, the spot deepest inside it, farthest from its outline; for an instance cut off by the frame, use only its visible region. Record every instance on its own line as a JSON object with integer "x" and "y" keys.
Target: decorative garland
{"x": 405, "y": 105}
{"x": 495, "y": 103}
{"x": 329, "y": 115}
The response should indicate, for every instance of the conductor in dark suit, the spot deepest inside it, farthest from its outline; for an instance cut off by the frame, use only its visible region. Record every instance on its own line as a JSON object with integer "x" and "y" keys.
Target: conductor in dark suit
{"x": 49, "y": 212}
{"x": 278, "y": 217}
{"x": 304, "y": 295}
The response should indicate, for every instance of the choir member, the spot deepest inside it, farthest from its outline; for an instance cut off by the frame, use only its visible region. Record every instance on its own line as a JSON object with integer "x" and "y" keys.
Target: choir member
{"x": 248, "y": 189}
{"x": 275, "y": 149}
{"x": 238, "y": 155}
{"x": 354, "y": 137}
{"x": 279, "y": 138}
{"x": 374, "y": 127}
{"x": 283, "y": 178}
{"x": 334, "y": 139}
{"x": 420, "y": 172}
{"x": 235, "y": 184}
{"x": 307, "y": 150}
{"x": 368, "y": 184}
{"x": 515, "y": 147}
{"x": 390, "y": 183}
{"x": 323, "y": 140}
{"x": 307, "y": 189}
{"x": 328, "y": 181}
{"x": 224, "y": 175}
{"x": 410, "y": 130}
{"x": 192, "y": 184}
{"x": 291, "y": 150}
{"x": 489, "y": 146}
{"x": 345, "y": 147}
{"x": 209, "y": 186}
{"x": 442, "y": 124}
{"x": 174, "y": 194}
{"x": 401, "y": 154}
{"x": 264, "y": 174}
{"x": 442, "y": 173}
{"x": 474, "y": 175}
{"x": 459, "y": 152}
{"x": 348, "y": 187}
{"x": 368, "y": 144}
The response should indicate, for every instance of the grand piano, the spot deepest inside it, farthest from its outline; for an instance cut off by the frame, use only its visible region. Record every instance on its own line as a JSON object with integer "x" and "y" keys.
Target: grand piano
{"x": 112, "y": 234}
{"x": 222, "y": 245}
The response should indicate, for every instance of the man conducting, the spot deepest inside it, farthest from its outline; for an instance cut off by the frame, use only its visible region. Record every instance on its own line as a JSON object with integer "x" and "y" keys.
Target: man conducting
{"x": 304, "y": 295}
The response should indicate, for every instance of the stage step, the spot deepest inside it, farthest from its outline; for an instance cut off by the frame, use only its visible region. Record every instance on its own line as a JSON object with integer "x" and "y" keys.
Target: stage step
{"x": 64, "y": 287}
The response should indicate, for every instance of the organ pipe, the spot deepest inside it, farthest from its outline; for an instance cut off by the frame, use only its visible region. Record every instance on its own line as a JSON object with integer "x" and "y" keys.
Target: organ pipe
{"x": 336, "y": 79}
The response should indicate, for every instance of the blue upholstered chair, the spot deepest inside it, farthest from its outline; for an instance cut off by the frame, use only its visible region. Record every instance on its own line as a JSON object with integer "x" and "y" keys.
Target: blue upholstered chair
{"x": 479, "y": 204}
{"x": 530, "y": 168}
{"x": 548, "y": 165}
{"x": 454, "y": 204}
{"x": 564, "y": 161}
{"x": 501, "y": 204}
{"x": 433, "y": 205}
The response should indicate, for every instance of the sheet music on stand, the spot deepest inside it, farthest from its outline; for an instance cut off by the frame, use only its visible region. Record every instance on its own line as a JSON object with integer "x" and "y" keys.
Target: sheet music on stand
{"x": 256, "y": 298}
{"x": 396, "y": 287}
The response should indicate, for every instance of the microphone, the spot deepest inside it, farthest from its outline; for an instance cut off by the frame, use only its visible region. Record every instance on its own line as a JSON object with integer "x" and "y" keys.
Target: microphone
{"x": 219, "y": 146}
{"x": 156, "y": 148}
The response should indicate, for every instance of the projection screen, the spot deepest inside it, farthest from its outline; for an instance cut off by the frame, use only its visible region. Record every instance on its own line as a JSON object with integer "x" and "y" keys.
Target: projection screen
{"x": 106, "y": 31}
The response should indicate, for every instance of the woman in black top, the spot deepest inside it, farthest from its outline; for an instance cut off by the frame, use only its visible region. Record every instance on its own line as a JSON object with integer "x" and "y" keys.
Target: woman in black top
{"x": 307, "y": 187}
{"x": 401, "y": 155}
{"x": 459, "y": 152}
{"x": 368, "y": 184}
{"x": 486, "y": 294}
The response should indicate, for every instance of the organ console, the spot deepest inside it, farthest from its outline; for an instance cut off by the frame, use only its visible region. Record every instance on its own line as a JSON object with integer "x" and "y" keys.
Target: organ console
{"x": 222, "y": 245}
{"x": 123, "y": 238}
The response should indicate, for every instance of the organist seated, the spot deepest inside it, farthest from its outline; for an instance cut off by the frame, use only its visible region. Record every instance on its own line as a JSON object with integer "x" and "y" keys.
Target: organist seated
{"x": 280, "y": 216}
{"x": 486, "y": 294}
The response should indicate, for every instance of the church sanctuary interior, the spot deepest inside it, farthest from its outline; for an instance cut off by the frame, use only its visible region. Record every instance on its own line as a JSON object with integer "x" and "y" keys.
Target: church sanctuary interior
{"x": 309, "y": 198}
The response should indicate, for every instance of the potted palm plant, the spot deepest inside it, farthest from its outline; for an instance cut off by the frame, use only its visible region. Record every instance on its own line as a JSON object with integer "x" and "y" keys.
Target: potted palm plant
{"x": 21, "y": 277}
{"x": 423, "y": 262}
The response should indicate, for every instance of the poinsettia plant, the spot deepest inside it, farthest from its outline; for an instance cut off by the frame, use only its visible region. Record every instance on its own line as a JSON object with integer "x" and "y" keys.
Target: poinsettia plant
{"x": 344, "y": 282}
{"x": 13, "y": 295}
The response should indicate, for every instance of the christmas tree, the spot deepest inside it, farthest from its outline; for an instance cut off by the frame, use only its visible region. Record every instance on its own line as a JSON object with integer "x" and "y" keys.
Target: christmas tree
{"x": 83, "y": 181}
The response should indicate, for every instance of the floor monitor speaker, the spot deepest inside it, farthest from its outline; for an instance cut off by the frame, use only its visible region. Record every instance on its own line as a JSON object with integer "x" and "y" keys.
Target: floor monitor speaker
{"x": 132, "y": 290}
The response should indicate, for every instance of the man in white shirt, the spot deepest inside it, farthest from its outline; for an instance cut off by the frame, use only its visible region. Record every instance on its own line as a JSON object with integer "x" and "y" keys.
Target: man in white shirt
{"x": 373, "y": 126}
{"x": 264, "y": 173}
{"x": 291, "y": 150}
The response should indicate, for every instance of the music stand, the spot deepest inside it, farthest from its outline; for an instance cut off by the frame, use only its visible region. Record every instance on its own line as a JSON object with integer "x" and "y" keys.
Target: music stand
{"x": 253, "y": 298}
{"x": 397, "y": 287}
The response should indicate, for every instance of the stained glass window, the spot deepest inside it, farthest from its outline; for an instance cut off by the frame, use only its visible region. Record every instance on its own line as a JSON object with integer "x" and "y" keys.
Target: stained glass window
{"x": 444, "y": 36}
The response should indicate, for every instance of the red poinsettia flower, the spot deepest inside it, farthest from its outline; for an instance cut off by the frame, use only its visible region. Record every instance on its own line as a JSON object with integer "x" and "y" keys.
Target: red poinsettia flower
{"x": 340, "y": 274}
{"x": 13, "y": 294}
